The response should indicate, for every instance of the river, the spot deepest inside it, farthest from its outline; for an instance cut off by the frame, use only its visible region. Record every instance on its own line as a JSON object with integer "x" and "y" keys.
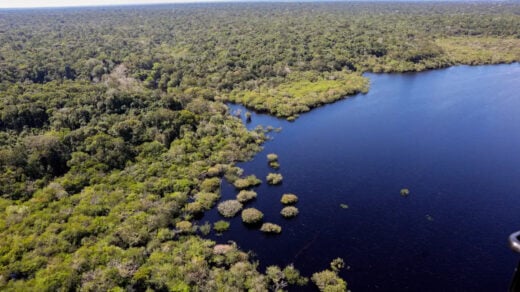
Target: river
{"x": 451, "y": 136}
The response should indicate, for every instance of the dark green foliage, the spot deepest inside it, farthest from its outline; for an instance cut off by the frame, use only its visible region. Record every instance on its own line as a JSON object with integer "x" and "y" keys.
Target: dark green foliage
{"x": 113, "y": 135}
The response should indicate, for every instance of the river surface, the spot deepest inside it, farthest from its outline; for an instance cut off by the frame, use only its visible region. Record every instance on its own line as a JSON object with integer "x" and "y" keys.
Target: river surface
{"x": 451, "y": 136}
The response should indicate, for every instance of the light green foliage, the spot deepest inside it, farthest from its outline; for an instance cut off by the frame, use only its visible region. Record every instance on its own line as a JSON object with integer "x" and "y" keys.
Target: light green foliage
{"x": 247, "y": 182}
{"x": 229, "y": 208}
{"x": 184, "y": 226}
{"x": 274, "y": 164}
{"x": 289, "y": 212}
{"x": 252, "y": 216}
{"x": 245, "y": 196}
{"x": 272, "y": 157}
{"x": 274, "y": 178}
{"x": 293, "y": 277}
{"x": 271, "y": 228}
{"x": 329, "y": 281}
{"x": 205, "y": 228}
{"x": 278, "y": 279}
{"x": 405, "y": 192}
{"x": 337, "y": 264}
{"x": 210, "y": 185}
{"x": 207, "y": 200}
{"x": 301, "y": 92}
{"x": 221, "y": 226}
{"x": 289, "y": 199}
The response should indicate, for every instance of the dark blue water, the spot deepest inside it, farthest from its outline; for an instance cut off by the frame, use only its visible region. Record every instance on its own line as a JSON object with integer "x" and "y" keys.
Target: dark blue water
{"x": 450, "y": 136}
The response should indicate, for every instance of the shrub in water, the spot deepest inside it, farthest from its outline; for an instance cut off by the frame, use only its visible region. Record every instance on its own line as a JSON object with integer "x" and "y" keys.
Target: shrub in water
{"x": 252, "y": 215}
{"x": 247, "y": 182}
{"x": 405, "y": 192}
{"x": 289, "y": 199}
{"x": 246, "y": 196}
{"x": 329, "y": 281}
{"x": 229, "y": 208}
{"x": 205, "y": 228}
{"x": 221, "y": 226}
{"x": 271, "y": 228}
{"x": 274, "y": 164}
{"x": 272, "y": 157}
{"x": 289, "y": 212}
{"x": 274, "y": 178}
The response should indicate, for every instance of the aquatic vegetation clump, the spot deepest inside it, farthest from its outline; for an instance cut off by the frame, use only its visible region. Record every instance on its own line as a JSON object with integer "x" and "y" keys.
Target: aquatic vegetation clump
{"x": 343, "y": 206}
{"x": 405, "y": 192}
{"x": 272, "y": 157}
{"x": 278, "y": 278}
{"x": 271, "y": 228}
{"x": 205, "y": 228}
{"x": 272, "y": 160}
{"x": 229, "y": 208}
{"x": 246, "y": 196}
{"x": 247, "y": 182}
{"x": 289, "y": 212}
{"x": 274, "y": 164}
{"x": 289, "y": 199}
{"x": 274, "y": 178}
{"x": 252, "y": 215}
{"x": 329, "y": 281}
{"x": 221, "y": 226}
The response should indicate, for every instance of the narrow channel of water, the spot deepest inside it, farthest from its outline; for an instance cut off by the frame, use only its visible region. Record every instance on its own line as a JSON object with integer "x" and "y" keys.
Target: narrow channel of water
{"x": 451, "y": 136}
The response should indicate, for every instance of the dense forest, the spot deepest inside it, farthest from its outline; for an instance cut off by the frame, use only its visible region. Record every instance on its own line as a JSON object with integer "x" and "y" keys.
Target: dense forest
{"x": 115, "y": 135}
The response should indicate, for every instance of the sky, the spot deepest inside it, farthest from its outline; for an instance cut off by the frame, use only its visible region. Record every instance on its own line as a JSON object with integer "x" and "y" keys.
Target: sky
{"x": 66, "y": 3}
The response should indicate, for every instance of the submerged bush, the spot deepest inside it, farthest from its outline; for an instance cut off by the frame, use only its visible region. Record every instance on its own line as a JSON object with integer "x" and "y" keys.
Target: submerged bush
{"x": 289, "y": 199}
{"x": 252, "y": 215}
{"x": 205, "y": 228}
{"x": 274, "y": 164}
{"x": 289, "y": 212}
{"x": 272, "y": 157}
{"x": 229, "y": 208}
{"x": 221, "y": 226}
{"x": 271, "y": 228}
{"x": 246, "y": 196}
{"x": 329, "y": 281}
{"x": 274, "y": 178}
{"x": 247, "y": 182}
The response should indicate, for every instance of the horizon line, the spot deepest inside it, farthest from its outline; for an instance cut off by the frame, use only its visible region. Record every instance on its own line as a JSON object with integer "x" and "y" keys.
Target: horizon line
{"x": 124, "y": 3}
